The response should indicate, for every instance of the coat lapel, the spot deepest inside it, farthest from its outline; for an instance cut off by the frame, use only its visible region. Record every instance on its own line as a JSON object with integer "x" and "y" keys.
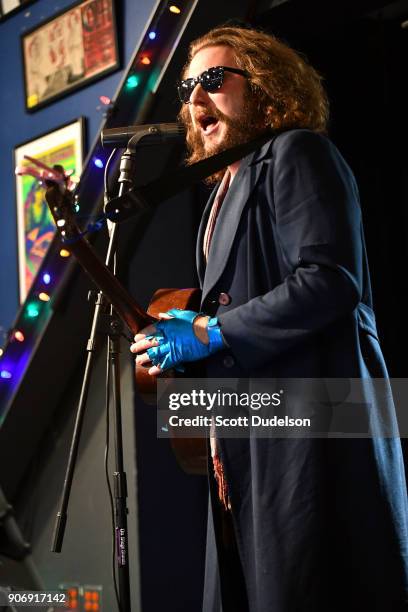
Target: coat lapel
{"x": 200, "y": 237}
{"x": 228, "y": 219}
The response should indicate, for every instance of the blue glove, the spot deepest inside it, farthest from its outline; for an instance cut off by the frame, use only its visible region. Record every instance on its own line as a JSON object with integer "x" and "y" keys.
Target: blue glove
{"x": 178, "y": 342}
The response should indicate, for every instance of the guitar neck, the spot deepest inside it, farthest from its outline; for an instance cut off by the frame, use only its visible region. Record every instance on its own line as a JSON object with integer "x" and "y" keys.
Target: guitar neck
{"x": 125, "y": 306}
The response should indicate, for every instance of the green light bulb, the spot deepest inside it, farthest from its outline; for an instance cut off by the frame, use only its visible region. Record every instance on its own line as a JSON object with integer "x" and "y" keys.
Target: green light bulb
{"x": 132, "y": 82}
{"x": 32, "y": 311}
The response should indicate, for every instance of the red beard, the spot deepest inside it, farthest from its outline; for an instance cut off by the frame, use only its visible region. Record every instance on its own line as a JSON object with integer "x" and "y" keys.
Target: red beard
{"x": 238, "y": 131}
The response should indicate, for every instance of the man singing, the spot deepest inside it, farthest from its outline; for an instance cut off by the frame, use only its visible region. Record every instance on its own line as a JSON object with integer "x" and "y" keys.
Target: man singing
{"x": 295, "y": 525}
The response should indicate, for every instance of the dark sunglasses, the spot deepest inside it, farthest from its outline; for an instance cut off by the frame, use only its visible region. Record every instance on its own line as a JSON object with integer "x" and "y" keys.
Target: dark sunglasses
{"x": 210, "y": 80}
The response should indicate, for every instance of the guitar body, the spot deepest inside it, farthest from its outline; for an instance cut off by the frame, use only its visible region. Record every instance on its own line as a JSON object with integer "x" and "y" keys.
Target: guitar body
{"x": 191, "y": 453}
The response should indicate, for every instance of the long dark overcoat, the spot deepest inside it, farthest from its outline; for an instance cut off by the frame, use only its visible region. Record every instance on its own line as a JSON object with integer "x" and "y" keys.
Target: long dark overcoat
{"x": 321, "y": 525}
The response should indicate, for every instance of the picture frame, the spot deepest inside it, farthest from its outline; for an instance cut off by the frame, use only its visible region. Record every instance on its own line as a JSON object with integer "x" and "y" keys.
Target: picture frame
{"x": 35, "y": 227}
{"x": 68, "y": 51}
{"x": 10, "y": 7}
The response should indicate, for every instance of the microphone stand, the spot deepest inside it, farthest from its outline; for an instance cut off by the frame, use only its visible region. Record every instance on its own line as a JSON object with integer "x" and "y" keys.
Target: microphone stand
{"x": 119, "y": 477}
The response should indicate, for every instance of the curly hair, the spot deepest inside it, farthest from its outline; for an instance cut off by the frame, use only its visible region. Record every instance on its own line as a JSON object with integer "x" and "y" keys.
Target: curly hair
{"x": 285, "y": 87}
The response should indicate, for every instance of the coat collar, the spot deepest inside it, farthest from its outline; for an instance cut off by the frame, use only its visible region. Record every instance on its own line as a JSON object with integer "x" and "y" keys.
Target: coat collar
{"x": 228, "y": 220}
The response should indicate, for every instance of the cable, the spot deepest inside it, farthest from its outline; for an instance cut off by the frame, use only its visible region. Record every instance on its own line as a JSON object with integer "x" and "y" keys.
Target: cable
{"x": 107, "y": 443}
{"x": 105, "y": 176}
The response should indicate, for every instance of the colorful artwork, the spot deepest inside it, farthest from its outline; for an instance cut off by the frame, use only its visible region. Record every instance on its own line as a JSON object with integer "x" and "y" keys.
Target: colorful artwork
{"x": 69, "y": 50}
{"x": 36, "y": 228}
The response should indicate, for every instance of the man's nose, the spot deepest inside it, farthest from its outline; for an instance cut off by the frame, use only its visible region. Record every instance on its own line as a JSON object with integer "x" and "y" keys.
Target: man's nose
{"x": 198, "y": 95}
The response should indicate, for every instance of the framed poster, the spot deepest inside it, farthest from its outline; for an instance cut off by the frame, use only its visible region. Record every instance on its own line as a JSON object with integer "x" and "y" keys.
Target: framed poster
{"x": 9, "y": 7}
{"x": 35, "y": 226}
{"x": 68, "y": 51}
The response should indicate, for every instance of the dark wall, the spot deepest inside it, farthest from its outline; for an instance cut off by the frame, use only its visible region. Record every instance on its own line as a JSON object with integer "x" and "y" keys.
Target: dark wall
{"x": 361, "y": 52}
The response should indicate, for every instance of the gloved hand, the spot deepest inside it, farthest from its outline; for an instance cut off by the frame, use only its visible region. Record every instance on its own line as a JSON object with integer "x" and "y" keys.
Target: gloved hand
{"x": 173, "y": 341}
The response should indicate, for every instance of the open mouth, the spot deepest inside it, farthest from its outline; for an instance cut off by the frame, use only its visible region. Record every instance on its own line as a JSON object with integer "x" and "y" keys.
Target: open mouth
{"x": 207, "y": 123}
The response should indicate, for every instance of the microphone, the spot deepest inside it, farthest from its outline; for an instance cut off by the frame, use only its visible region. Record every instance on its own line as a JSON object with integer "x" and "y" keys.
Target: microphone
{"x": 147, "y": 134}
{"x": 139, "y": 199}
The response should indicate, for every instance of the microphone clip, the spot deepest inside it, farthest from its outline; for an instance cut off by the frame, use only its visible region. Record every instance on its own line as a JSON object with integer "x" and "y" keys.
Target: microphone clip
{"x": 129, "y": 203}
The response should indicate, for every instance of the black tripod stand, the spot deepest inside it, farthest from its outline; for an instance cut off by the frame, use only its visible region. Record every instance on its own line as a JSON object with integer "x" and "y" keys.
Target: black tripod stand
{"x": 114, "y": 329}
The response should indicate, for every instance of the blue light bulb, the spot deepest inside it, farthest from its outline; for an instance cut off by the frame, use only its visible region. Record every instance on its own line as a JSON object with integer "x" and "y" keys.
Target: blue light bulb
{"x": 98, "y": 162}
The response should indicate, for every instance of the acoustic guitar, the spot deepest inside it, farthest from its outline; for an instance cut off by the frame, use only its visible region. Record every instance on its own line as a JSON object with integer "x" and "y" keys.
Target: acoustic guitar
{"x": 191, "y": 453}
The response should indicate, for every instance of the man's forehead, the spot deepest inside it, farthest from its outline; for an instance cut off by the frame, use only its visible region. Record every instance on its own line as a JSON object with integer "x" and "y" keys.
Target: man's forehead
{"x": 208, "y": 57}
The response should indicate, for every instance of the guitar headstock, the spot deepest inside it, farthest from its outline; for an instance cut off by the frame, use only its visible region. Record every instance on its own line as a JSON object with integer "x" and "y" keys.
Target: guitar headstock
{"x": 62, "y": 204}
{"x": 59, "y": 193}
